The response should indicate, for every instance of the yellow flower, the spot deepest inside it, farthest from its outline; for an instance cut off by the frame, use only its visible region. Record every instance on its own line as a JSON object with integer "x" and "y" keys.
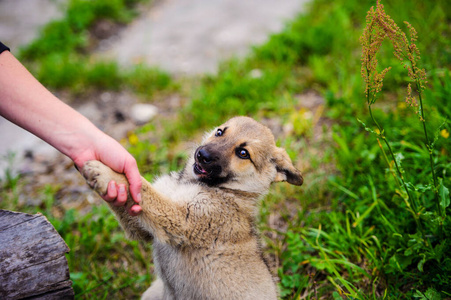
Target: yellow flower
{"x": 133, "y": 139}
{"x": 377, "y": 131}
{"x": 444, "y": 133}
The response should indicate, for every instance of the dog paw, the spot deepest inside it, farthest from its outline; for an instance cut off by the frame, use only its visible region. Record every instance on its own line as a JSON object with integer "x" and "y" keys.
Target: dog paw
{"x": 97, "y": 176}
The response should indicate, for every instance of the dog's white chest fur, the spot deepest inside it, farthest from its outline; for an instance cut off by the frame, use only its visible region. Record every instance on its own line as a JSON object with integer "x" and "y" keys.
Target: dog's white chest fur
{"x": 176, "y": 191}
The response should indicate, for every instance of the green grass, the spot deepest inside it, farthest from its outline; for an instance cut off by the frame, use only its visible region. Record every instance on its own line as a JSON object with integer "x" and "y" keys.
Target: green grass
{"x": 72, "y": 33}
{"x": 98, "y": 247}
{"x": 60, "y": 58}
{"x": 348, "y": 232}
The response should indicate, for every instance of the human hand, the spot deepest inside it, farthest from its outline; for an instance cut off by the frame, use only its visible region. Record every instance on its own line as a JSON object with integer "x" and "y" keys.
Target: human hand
{"x": 37, "y": 110}
{"x": 117, "y": 194}
{"x": 111, "y": 153}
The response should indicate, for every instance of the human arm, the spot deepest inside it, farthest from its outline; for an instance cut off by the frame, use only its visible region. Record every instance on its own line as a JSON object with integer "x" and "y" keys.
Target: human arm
{"x": 27, "y": 103}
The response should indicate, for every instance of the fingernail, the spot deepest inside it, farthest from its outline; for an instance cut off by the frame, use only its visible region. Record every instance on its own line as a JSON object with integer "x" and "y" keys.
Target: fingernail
{"x": 138, "y": 198}
{"x": 122, "y": 189}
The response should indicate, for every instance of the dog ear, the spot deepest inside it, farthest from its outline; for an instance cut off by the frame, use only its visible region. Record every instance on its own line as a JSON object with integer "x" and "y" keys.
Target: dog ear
{"x": 285, "y": 169}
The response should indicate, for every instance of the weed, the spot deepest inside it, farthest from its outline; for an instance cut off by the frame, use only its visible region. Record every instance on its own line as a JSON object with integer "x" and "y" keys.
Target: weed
{"x": 379, "y": 27}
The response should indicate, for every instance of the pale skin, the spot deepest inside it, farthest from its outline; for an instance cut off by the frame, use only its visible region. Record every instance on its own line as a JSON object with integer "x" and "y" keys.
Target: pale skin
{"x": 28, "y": 104}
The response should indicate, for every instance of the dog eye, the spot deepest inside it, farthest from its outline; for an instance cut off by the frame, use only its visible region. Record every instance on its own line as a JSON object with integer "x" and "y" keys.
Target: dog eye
{"x": 219, "y": 132}
{"x": 242, "y": 153}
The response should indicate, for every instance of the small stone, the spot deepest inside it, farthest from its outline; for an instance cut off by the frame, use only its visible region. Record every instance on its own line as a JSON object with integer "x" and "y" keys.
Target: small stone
{"x": 142, "y": 113}
{"x": 106, "y": 97}
{"x": 256, "y": 74}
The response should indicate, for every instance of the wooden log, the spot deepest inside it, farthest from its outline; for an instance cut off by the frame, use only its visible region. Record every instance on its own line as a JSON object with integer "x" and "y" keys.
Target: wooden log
{"x": 33, "y": 264}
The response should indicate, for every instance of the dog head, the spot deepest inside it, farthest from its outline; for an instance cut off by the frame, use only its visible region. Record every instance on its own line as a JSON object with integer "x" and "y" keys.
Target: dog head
{"x": 241, "y": 154}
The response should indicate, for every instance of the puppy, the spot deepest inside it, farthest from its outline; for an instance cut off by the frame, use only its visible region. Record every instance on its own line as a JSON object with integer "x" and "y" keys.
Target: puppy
{"x": 202, "y": 219}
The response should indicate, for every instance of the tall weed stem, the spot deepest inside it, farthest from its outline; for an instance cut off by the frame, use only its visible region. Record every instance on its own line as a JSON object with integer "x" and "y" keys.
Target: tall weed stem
{"x": 411, "y": 204}
{"x": 430, "y": 150}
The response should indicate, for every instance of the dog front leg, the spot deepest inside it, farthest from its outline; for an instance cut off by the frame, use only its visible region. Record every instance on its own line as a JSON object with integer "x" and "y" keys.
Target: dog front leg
{"x": 98, "y": 176}
{"x": 160, "y": 217}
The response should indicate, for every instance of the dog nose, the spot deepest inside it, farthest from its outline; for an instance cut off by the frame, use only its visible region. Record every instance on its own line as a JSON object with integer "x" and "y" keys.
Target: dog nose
{"x": 204, "y": 156}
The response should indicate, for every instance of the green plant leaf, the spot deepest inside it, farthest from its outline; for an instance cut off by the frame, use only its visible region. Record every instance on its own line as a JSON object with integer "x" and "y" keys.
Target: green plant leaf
{"x": 432, "y": 294}
{"x": 366, "y": 127}
{"x": 443, "y": 192}
{"x": 421, "y": 263}
{"x": 419, "y": 295}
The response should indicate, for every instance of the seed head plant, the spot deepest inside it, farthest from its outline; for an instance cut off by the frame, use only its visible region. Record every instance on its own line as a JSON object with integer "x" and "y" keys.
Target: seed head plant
{"x": 380, "y": 27}
{"x": 430, "y": 236}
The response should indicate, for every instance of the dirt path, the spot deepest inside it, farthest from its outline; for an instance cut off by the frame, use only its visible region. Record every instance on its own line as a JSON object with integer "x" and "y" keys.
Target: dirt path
{"x": 192, "y": 37}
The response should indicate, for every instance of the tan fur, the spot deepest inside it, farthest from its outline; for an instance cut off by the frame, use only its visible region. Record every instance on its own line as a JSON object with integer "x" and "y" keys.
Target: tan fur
{"x": 202, "y": 222}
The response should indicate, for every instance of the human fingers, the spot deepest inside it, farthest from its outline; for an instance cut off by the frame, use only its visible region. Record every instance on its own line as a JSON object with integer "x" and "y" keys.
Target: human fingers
{"x": 135, "y": 210}
{"x": 111, "y": 193}
{"x": 121, "y": 198}
{"x": 117, "y": 193}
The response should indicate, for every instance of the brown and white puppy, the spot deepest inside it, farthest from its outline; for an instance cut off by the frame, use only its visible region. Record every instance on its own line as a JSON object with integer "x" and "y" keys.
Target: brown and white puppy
{"x": 202, "y": 219}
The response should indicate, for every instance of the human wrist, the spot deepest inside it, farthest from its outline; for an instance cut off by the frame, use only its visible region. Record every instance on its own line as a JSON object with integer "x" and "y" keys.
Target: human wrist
{"x": 80, "y": 144}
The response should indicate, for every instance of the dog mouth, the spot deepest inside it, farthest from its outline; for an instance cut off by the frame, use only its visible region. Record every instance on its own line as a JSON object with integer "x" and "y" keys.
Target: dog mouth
{"x": 210, "y": 176}
{"x": 207, "y": 167}
{"x": 201, "y": 172}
